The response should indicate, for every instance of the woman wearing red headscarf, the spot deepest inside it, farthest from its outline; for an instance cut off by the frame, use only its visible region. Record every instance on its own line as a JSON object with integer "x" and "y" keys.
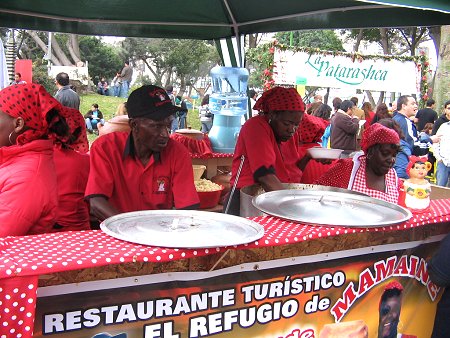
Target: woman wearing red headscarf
{"x": 72, "y": 172}
{"x": 370, "y": 173}
{"x": 28, "y": 197}
{"x": 270, "y": 145}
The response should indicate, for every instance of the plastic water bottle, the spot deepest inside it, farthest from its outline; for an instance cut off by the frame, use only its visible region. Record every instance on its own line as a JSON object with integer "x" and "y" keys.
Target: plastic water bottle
{"x": 228, "y": 102}
{"x": 229, "y": 91}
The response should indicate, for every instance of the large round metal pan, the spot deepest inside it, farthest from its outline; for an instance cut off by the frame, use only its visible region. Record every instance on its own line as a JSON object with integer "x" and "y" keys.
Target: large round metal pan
{"x": 182, "y": 228}
{"x": 330, "y": 208}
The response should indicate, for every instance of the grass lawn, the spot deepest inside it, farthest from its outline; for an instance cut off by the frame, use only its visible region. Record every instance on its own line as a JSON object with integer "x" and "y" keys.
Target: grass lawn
{"x": 108, "y": 106}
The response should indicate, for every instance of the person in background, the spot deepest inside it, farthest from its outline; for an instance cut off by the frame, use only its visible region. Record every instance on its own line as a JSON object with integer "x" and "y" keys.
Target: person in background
{"x": 143, "y": 169}
{"x": 404, "y": 153}
{"x": 407, "y": 108}
{"x": 268, "y": 145}
{"x": 344, "y": 128}
{"x": 205, "y": 115}
{"x": 65, "y": 94}
{"x": 441, "y": 152}
{"x": 318, "y": 98}
{"x": 359, "y": 113}
{"x": 381, "y": 112}
{"x": 313, "y": 107}
{"x": 170, "y": 92}
{"x": 445, "y": 117}
{"x": 426, "y": 115}
{"x": 336, "y": 105}
{"x": 126, "y": 76}
{"x": 182, "y": 112}
{"x": 252, "y": 94}
{"x": 102, "y": 87}
{"x": 372, "y": 172}
{"x": 393, "y": 108}
{"x": 324, "y": 112}
{"x": 438, "y": 269}
{"x": 368, "y": 114}
{"x": 72, "y": 172}
{"x": 118, "y": 123}
{"x": 116, "y": 83}
{"x": 28, "y": 188}
{"x": 18, "y": 79}
{"x": 94, "y": 118}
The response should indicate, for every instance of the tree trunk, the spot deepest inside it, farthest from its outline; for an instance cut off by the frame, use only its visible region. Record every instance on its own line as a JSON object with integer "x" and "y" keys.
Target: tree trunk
{"x": 442, "y": 84}
{"x": 43, "y": 46}
{"x": 358, "y": 40}
{"x": 74, "y": 48}
{"x": 60, "y": 53}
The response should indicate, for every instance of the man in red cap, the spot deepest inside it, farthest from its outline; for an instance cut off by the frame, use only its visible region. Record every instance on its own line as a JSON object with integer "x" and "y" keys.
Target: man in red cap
{"x": 142, "y": 169}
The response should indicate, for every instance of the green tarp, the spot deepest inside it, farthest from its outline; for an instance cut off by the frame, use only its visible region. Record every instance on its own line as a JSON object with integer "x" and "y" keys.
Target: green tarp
{"x": 214, "y": 19}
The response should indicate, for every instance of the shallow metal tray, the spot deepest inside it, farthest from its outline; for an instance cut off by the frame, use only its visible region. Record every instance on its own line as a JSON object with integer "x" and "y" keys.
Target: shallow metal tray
{"x": 330, "y": 208}
{"x": 182, "y": 228}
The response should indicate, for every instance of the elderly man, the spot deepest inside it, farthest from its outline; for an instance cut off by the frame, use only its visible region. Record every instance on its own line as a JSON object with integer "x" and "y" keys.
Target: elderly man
{"x": 142, "y": 169}
{"x": 407, "y": 108}
{"x": 65, "y": 94}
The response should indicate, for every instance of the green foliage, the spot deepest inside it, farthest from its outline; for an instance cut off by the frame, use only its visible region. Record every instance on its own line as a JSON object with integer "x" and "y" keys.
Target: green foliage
{"x": 103, "y": 59}
{"x": 40, "y": 76}
{"x": 259, "y": 60}
{"x": 322, "y": 39}
{"x": 172, "y": 60}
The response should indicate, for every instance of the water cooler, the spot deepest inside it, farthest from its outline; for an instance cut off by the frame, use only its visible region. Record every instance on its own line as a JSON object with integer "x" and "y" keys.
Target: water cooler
{"x": 228, "y": 103}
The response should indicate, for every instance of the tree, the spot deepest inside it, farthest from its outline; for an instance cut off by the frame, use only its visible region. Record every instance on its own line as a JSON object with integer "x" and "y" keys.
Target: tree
{"x": 442, "y": 84}
{"x": 103, "y": 59}
{"x": 323, "y": 39}
{"x": 172, "y": 61}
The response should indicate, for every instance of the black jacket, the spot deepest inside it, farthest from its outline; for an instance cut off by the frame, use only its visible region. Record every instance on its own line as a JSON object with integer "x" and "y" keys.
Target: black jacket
{"x": 442, "y": 119}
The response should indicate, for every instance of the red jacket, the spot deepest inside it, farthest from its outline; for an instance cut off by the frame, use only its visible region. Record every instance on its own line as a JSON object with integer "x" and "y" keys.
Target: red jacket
{"x": 27, "y": 189}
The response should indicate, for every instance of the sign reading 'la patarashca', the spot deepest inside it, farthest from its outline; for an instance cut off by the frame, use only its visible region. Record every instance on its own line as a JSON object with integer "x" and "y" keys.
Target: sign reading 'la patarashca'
{"x": 343, "y": 72}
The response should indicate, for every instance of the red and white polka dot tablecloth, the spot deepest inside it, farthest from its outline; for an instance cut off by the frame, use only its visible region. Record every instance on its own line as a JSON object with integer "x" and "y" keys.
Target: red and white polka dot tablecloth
{"x": 23, "y": 259}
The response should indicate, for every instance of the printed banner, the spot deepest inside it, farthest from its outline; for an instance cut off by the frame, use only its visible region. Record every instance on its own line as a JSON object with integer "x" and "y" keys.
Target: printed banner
{"x": 343, "y": 72}
{"x": 344, "y": 294}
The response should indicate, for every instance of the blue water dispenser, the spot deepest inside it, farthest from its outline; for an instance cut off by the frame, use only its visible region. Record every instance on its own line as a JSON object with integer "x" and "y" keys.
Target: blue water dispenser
{"x": 228, "y": 102}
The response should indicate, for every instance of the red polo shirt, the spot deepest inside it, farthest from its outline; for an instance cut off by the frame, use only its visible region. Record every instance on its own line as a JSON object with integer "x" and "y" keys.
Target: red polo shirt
{"x": 264, "y": 155}
{"x": 72, "y": 172}
{"x": 166, "y": 182}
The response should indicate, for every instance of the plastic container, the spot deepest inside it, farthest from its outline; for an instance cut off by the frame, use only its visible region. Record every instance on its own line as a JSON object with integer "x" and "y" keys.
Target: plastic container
{"x": 228, "y": 102}
{"x": 229, "y": 91}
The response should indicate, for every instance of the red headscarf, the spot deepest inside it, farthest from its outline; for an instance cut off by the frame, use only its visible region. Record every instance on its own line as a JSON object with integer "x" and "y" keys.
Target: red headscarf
{"x": 77, "y": 129}
{"x": 32, "y": 103}
{"x": 378, "y": 134}
{"x": 280, "y": 99}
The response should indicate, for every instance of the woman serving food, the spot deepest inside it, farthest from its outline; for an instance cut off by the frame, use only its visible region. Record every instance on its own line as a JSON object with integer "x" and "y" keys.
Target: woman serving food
{"x": 372, "y": 172}
{"x": 269, "y": 145}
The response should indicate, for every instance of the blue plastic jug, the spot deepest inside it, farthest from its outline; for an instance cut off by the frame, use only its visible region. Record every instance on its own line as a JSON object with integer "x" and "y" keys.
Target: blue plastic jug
{"x": 228, "y": 102}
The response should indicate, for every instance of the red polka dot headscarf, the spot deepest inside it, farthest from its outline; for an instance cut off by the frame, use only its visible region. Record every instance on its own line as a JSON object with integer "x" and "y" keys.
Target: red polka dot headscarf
{"x": 378, "y": 134}
{"x": 32, "y": 103}
{"x": 77, "y": 138}
{"x": 280, "y": 99}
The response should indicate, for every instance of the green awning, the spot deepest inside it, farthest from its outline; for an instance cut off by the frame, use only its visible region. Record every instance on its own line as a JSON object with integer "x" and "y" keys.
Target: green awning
{"x": 215, "y": 19}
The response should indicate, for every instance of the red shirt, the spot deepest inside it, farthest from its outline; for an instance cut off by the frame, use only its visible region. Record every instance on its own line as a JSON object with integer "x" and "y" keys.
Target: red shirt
{"x": 166, "y": 181}
{"x": 27, "y": 189}
{"x": 257, "y": 143}
{"x": 72, "y": 172}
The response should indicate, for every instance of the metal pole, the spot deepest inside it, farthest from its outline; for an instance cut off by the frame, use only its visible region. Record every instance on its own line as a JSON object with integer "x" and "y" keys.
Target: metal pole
{"x": 49, "y": 53}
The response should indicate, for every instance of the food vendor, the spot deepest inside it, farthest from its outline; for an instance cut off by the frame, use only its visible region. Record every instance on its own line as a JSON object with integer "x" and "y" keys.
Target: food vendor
{"x": 28, "y": 188}
{"x": 269, "y": 145}
{"x": 143, "y": 169}
{"x": 372, "y": 172}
